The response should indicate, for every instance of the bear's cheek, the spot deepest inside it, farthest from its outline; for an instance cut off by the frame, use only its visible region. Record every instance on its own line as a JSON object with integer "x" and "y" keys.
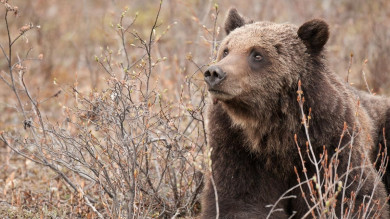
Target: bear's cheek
{"x": 236, "y": 82}
{"x": 246, "y": 85}
{"x": 260, "y": 82}
{"x": 239, "y": 83}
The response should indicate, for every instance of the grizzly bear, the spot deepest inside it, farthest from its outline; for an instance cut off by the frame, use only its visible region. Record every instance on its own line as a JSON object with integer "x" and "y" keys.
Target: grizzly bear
{"x": 272, "y": 95}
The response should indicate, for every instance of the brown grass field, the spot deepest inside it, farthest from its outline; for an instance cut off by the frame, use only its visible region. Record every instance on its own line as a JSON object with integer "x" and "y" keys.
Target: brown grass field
{"x": 103, "y": 113}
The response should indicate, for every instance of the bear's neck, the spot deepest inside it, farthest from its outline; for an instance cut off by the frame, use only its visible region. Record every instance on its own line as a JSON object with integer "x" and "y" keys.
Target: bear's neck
{"x": 269, "y": 133}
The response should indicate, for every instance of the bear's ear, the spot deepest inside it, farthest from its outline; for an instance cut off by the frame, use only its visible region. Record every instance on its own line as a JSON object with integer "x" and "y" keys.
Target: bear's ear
{"x": 315, "y": 34}
{"x": 234, "y": 20}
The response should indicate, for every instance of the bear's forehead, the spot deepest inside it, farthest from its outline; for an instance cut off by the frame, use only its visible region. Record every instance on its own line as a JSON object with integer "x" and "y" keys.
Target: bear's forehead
{"x": 261, "y": 34}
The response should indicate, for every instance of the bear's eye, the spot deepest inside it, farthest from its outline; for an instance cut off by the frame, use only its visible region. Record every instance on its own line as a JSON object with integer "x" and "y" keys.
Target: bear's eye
{"x": 225, "y": 53}
{"x": 257, "y": 56}
{"x": 257, "y": 60}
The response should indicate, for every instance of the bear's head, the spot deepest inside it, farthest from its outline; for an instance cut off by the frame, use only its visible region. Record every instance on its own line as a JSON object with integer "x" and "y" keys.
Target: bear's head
{"x": 259, "y": 64}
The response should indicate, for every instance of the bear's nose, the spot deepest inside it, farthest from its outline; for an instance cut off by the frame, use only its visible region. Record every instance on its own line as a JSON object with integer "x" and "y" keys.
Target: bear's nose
{"x": 214, "y": 75}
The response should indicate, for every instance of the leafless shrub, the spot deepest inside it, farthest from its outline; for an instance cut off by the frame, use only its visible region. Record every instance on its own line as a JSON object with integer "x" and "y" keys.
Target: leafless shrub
{"x": 130, "y": 150}
{"x": 328, "y": 186}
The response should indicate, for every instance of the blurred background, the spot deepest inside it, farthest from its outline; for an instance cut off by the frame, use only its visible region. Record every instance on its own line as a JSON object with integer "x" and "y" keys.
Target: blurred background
{"x": 74, "y": 34}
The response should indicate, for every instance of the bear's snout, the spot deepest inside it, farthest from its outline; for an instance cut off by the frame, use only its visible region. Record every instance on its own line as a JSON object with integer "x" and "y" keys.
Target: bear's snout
{"x": 213, "y": 76}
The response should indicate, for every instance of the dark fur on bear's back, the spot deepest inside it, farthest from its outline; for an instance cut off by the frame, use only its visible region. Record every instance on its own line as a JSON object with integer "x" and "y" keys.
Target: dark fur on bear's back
{"x": 378, "y": 108}
{"x": 255, "y": 114}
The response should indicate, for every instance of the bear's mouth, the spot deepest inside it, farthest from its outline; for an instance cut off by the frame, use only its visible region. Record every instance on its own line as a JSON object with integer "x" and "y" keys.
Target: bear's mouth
{"x": 213, "y": 91}
{"x": 218, "y": 95}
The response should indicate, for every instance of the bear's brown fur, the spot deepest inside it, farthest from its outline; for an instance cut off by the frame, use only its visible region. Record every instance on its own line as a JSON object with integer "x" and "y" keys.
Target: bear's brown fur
{"x": 254, "y": 116}
{"x": 378, "y": 108}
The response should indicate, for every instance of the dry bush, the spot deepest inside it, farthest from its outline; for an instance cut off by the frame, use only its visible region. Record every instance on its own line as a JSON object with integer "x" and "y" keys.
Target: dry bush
{"x": 129, "y": 150}
{"x": 327, "y": 193}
